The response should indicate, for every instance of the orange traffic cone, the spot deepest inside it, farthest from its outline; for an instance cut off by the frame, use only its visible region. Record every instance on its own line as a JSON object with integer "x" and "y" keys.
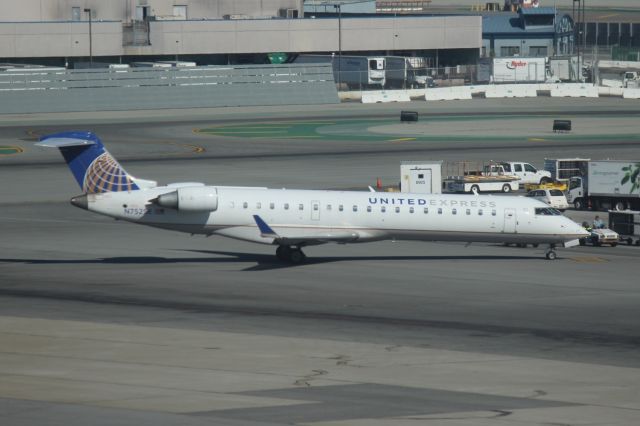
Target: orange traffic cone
{"x": 378, "y": 183}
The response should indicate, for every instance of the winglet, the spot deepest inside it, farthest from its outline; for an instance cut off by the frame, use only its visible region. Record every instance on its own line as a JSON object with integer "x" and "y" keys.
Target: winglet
{"x": 265, "y": 230}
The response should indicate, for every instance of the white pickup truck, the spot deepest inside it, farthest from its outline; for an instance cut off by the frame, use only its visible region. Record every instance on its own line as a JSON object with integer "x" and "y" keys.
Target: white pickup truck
{"x": 526, "y": 172}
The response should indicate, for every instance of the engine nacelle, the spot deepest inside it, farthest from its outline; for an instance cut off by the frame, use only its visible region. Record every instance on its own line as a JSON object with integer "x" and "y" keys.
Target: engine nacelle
{"x": 190, "y": 199}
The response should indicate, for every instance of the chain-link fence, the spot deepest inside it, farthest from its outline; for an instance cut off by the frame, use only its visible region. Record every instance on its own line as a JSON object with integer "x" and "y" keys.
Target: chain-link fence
{"x": 404, "y": 78}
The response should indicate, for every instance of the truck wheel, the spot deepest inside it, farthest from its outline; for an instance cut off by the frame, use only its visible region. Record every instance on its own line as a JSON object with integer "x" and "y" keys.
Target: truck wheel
{"x": 578, "y": 204}
{"x": 475, "y": 189}
{"x": 506, "y": 188}
{"x": 582, "y": 242}
{"x": 545, "y": 180}
{"x": 614, "y": 244}
{"x": 619, "y": 206}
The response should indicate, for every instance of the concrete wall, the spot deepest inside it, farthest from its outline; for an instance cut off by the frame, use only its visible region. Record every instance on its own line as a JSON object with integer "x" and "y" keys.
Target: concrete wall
{"x": 59, "y": 39}
{"x": 312, "y": 35}
{"x": 123, "y": 10}
{"x": 71, "y": 39}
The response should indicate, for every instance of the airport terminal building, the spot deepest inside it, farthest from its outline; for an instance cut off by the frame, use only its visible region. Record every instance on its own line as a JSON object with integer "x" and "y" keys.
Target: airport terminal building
{"x": 61, "y": 32}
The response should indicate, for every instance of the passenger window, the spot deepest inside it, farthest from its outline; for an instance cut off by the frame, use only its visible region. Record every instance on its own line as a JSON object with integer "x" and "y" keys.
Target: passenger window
{"x": 397, "y": 209}
{"x": 340, "y": 207}
{"x": 300, "y": 206}
{"x": 286, "y": 206}
{"x": 529, "y": 168}
{"x": 355, "y": 208}
{"x": 328, "y": 207}
{"x": 468, "y": 212}
{"x": 479, "y": 212}
{"x": 454, "y": 211}
{"x": 410, "y": 209}
{"x": 316, "y": 207}
{"x": 258, "y": 205}
{"x": 493, "y": 212}
{"x": 245, "y": 205}
{"x": 426, "y": 210}
{"x": 517, "y": 167}
{"x": 439, "y": 210}
{"x": 272, "y": 206}
{"x": 369, "y": 209}
{"x": 383, "y": 209}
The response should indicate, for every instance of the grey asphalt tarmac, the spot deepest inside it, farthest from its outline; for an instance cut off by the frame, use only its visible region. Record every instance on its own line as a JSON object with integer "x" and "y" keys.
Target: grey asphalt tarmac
{"x": 103, "y": 322}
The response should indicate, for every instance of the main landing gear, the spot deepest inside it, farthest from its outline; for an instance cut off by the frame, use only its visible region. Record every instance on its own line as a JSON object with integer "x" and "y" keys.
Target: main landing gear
{"x": 290, "y": 254}
{"x": 551, "y": 253}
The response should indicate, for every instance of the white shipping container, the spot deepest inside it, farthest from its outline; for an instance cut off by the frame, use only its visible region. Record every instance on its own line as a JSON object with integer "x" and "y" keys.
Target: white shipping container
{"x": 422, "y": 178}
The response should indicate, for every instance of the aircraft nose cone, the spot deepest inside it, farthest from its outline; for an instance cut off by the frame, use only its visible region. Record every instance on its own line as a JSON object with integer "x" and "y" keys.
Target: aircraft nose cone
{"x": 80, "y": 201}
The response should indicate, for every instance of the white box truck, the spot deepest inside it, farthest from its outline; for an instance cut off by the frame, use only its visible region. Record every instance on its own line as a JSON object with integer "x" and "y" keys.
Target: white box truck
{"x": 356, "y": 72}
{"x": 608, "y": 184}
{"x": 521, "y": 70}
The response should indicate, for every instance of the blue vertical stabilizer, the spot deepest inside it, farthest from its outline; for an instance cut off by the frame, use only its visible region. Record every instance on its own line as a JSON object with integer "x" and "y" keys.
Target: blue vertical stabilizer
{"x": 93, "y": 167}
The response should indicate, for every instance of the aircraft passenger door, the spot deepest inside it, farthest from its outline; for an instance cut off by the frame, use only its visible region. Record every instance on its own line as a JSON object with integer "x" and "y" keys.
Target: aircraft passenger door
{"x": 315, "y": 210}
{"x": 509, "y": 220}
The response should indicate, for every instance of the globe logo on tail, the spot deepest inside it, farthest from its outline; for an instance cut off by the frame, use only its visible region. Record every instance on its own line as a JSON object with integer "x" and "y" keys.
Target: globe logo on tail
{"x": 106, "y": 175}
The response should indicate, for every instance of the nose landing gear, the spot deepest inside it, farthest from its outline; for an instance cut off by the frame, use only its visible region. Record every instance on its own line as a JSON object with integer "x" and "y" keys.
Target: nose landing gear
{"x": 290, "y": 254}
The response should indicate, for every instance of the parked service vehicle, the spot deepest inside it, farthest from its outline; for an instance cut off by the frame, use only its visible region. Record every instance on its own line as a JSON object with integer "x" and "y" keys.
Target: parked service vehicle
{"x": 491, "y": 178}
{"x": 629, "y": 79}
{"x": 526, "y": 172}
{"x": 607, "y": 184}
{"x": 627, "y": 224}
{"x": 356, "y": 72}
{"x": 553, "y": 197}
{"x": 600, "y": 236}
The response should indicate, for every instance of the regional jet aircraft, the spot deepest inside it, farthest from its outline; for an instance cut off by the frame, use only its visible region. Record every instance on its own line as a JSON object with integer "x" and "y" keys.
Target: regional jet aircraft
{"x": 293, "y": 219}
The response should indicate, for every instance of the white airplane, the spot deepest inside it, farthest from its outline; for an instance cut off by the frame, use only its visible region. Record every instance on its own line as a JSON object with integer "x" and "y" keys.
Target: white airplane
{"x": 293, "y": 219}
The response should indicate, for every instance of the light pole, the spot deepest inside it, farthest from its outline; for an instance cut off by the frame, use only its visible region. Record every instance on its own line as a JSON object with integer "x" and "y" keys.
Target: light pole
{"x": 88, "y": 11}
{"x": 577, "y": 35}
{"x": 339, "y": 7}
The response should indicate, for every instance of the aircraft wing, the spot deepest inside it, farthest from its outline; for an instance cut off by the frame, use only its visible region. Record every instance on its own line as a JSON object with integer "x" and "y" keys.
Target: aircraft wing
{"x": 314, "y": 237}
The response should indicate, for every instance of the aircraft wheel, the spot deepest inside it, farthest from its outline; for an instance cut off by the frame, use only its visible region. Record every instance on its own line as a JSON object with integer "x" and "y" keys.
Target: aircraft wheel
{"x": 283, "y": 253}
{"x": 297, "y": 256}
{"x": 475, "y": 189}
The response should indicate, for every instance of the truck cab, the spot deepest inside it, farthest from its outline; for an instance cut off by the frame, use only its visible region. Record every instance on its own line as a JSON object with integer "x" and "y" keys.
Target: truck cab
{"x": 526, "y": 172}
{"x": 576, "y": 193}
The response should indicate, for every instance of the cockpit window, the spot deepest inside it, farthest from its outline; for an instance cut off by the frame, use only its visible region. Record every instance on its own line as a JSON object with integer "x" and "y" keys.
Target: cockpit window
{"x": 547, "y": 211}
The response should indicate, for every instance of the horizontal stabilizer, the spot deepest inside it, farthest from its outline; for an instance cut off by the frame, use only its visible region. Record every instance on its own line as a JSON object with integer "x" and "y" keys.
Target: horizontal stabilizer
{"x": 64, "y": 142}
